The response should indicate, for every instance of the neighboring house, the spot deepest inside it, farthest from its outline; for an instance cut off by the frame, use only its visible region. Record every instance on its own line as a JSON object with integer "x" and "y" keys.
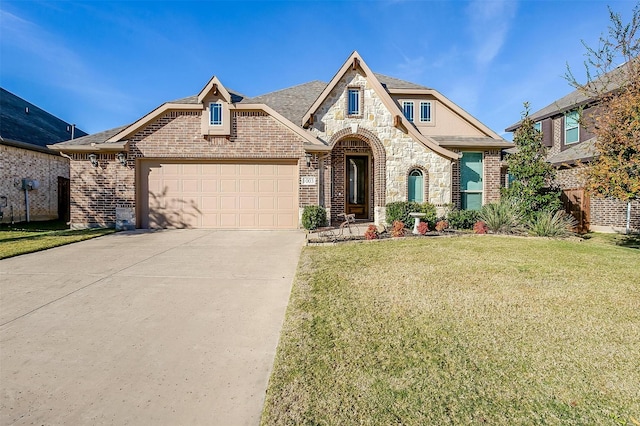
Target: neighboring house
{"x": 572, "y": 145}
{"x": 29, "y": 171}
{"x": 221, "y": 160}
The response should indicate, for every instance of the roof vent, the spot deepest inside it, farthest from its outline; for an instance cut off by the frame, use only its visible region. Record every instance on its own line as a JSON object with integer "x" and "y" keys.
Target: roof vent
{"x": 26, "y": 110}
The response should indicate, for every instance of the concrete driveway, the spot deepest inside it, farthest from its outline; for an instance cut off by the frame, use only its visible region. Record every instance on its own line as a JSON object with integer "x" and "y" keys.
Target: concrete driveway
{"x": 171, "y": 327}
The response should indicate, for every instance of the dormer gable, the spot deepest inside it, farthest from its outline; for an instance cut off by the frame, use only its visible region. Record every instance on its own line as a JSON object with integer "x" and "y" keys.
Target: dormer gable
{"x": 216, "y": 113}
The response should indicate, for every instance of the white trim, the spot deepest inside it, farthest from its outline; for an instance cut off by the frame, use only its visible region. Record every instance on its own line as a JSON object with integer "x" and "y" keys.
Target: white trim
{"x": 430, "y": 103}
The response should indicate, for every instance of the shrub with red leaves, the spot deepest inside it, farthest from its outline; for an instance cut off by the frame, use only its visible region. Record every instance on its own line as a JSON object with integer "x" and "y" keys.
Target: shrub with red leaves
{"x": 423, "y": 228}
{"x": 480, "y": 227}
{"x": 442, "y": 225}
{"x": 398, "y": 229}
{"x": 371, "y": 233}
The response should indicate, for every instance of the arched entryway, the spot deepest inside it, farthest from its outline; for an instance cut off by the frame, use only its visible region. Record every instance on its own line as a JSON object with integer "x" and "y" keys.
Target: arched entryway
{"x": 358, "y": 174}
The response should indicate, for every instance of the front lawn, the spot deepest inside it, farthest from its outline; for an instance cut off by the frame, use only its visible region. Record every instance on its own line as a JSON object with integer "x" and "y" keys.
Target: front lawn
{"x": 465, "y": 330}
{"x": 36, "y": 236}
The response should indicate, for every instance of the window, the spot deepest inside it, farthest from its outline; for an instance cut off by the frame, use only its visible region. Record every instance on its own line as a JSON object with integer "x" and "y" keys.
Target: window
{"x": 407, "y": 110}
{"x": 353, "y": 107}
{"x": 571, "y": 127}
{"x": 471, "y": 180}
{"x": 416, "y": 186}
{"x": 215, "y": 114}
{"x": 538, "y": 126}
{"x": 425, "y": 112}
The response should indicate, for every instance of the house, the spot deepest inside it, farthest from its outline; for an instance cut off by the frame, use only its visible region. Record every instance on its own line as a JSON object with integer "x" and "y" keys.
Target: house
{"x": 221, "y": 160}
{"x": 571, "y": 145}
{"x": 34, "y": 180}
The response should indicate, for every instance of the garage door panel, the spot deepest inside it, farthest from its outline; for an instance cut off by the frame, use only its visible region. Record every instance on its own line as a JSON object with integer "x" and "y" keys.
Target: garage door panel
{"x": 222, "y": 195}
{"x": 265, "y": 185}
{"x": 248, "y": 203}
{"x": 266, "y": 203}
{"x": 285, "y": 186}
{"x": 248, "y": 185}
{"x": 228, "y": 185}
{"x": 285, "y": 203}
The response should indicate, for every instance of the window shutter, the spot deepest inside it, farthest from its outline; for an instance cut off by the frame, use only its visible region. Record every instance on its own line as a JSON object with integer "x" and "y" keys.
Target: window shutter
{"x": 547, "y": 132}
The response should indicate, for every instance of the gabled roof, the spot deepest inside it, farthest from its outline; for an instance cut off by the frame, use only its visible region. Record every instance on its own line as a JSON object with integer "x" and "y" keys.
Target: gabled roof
{"x": 390, "y": 83}
{"x": 355, "y": 61}
{"x": 22, "y": 121}
{"x": 584, "y": 151}
{"x": 608, "y": 82}
{"x": 292, "y": 102}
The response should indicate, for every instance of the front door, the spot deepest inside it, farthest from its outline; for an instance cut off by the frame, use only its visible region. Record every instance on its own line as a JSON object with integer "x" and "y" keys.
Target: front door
{"x": 357, "y": 201}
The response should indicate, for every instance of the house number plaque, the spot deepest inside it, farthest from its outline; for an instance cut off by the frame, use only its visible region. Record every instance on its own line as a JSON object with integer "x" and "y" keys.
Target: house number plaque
{"x": 307, "y": 180}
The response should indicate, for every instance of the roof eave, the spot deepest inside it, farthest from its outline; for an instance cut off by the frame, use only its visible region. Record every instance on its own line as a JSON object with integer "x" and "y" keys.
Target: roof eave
{"x": 94, "y": 147}
{"x": 150, "y": 117}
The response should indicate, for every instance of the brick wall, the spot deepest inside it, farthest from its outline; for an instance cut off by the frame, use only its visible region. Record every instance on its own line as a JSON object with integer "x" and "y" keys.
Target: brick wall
{"x": 18, "y": 163}
{"x": 492, "y": 176}
{"x": 97, "y": 192}
{"x": 605, "y": 213}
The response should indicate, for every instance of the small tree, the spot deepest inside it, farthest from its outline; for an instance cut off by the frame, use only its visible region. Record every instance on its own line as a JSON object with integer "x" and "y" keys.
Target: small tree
{"x": 615, "y": 172}
{"x": 533, "y": 176}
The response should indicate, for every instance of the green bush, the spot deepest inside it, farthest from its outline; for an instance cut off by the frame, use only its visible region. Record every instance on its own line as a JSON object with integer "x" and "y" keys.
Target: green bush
{"x": 463, "y": 219}
{"x": 400, "y": 210}
{"x": 504, "y": 217}
{"x": 549, "y": 224}
{"x": 314, "y": 217}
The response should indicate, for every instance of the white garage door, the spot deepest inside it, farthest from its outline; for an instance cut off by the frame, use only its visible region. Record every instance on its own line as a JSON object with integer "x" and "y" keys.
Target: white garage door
{"x": 225, "y": 195}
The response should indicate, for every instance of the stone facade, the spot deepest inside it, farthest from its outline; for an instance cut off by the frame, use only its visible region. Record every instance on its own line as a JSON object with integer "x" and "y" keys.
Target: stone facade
{"x": 17, "y": 164}
{"x": 97, "y": 192}
{"x": 375, "y": 125}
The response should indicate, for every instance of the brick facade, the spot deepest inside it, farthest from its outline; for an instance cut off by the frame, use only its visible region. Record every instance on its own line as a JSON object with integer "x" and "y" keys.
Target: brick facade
{"x": 605, "y": 214}
{"x": 17, "y": 164}
{"x": 98, "y": 191}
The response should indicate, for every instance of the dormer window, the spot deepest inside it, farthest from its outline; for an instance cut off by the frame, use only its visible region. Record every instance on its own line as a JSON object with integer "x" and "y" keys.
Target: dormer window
{"x": 407, "y": 110}
{"x": 215, "y": 114}
{"x": 425, "y": 112}
{"x": 353, "y": 101}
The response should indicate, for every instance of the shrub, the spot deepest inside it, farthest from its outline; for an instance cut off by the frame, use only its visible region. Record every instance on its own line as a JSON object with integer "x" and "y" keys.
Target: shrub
{"x": 441, "y": 225}
{"x": 314, "y": 217}
{"x": 398, "y": 229}
{"x": 400, "y": 211}
{"x": 480, "y": 227}
{"x": 549, "y": 224}
{"x": 462, "y": 219}
{"x": 503, "y": 217}
{"x": 371, "y": 233}
{"x": 423, "y": 228}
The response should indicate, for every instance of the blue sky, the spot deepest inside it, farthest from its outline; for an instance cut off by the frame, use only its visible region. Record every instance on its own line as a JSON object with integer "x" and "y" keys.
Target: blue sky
{"x": 103, "y": 64}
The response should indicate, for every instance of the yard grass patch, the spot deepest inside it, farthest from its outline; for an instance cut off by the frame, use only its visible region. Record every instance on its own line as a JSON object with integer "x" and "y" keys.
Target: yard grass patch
{"x": 487, "y": 330}
{"x": 15, "y": 242}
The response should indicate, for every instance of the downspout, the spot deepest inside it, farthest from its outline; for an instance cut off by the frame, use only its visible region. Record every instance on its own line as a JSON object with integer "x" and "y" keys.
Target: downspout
{"x": 628, "y": 217}
{"x": 26, "y": 202}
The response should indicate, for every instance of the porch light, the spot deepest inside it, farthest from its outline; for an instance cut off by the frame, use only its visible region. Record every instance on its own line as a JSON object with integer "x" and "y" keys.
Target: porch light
{"x": 308, "y": 158}
{"x": 122, "y": 158}
{"x": 94, "y": 160}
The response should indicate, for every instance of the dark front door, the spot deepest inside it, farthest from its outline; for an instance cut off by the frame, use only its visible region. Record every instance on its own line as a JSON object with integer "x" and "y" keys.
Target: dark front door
{"x": 357, "y": 201}
{"x": 64, "y": 199}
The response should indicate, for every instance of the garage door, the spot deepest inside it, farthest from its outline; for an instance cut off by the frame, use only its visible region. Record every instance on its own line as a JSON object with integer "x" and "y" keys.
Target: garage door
{"x": 220, "y": 195}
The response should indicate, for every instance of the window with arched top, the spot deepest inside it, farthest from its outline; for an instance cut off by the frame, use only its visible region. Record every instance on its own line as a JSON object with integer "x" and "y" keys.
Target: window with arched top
{"x": 416, "y": 186}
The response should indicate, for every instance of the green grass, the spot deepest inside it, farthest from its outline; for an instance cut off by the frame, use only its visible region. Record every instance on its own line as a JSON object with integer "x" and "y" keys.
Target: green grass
{"x": 469, "y": 330}
{"x": 25, "y": 238}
